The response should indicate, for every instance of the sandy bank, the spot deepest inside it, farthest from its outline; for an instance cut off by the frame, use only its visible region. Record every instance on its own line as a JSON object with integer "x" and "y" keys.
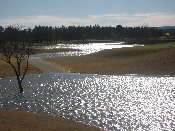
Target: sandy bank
{"x": 13, "y": 120}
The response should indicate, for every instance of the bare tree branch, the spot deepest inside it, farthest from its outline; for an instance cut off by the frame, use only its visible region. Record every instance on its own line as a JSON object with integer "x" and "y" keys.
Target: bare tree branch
{"x": 19, "y": 52}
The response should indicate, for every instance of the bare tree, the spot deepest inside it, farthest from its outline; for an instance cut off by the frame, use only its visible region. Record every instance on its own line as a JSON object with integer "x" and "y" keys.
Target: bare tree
{"x": 14, "y": 53}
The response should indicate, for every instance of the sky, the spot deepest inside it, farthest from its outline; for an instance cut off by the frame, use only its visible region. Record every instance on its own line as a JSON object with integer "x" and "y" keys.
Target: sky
{"x": 29, "y": 13}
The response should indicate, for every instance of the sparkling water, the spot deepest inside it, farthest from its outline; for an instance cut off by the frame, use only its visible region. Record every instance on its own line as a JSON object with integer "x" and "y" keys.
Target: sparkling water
{"x": 128, "y": 102}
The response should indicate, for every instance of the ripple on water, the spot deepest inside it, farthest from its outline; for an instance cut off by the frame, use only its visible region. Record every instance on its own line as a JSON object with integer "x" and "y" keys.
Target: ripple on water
{"x": 109, "y": 102}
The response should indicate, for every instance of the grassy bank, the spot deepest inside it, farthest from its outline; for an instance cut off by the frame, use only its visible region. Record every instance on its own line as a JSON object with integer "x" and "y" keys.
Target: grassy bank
{"x": 156, "y": 59}
{"x": 12, "y": 120}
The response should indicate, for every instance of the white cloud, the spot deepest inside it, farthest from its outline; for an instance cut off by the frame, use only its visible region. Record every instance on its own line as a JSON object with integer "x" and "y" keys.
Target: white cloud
{"x": 125, "y": 19}
{"x": 44, "y": 20}
{"x": 154, "y": 19}
{"x": 138, "y": 19}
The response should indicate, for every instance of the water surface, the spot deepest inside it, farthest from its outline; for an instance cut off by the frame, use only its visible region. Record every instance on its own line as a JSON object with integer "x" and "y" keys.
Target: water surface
{"x": 84, "y": 49}
{"x": 109, "y": 102}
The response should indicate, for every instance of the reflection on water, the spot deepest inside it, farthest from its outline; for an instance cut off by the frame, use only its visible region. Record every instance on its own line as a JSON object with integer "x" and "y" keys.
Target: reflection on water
{"x": 85, "y": 49}
{"x": 110, "y": 102}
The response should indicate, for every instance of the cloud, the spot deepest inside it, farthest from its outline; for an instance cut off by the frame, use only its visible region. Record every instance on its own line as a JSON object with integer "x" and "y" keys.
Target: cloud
{"x": 44, "y": 20}
{"x": 124, "y": 19}
{"x": 154, "y": 19}
{"x": 138, "y": 19}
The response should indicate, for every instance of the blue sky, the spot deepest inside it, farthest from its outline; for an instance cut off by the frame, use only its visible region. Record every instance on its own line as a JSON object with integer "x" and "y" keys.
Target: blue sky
{"x": 87, "y": 12}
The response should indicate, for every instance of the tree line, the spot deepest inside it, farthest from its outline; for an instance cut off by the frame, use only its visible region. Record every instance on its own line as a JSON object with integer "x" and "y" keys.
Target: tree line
{"x": 49, "y": 34}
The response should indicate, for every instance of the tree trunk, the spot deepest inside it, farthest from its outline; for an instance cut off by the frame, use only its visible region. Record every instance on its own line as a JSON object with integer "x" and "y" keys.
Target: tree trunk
{"x": 20, "y": 88}
{"x": 20, "y": 85}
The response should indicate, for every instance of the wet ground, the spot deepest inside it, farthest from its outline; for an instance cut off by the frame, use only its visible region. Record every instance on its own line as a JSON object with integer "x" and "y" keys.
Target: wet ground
{"x": 127, "y": 102}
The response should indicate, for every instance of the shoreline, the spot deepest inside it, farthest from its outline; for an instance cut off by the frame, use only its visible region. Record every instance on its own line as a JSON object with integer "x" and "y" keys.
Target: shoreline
{"x": 16, "y": 120}
{"x": 154, "y": 60}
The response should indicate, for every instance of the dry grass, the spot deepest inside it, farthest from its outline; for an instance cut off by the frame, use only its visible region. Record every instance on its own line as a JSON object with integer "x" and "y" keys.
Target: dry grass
{"x": 7, "y": 71}
{"x": 12, "y": 120}
{"x": 148, "y": 60}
